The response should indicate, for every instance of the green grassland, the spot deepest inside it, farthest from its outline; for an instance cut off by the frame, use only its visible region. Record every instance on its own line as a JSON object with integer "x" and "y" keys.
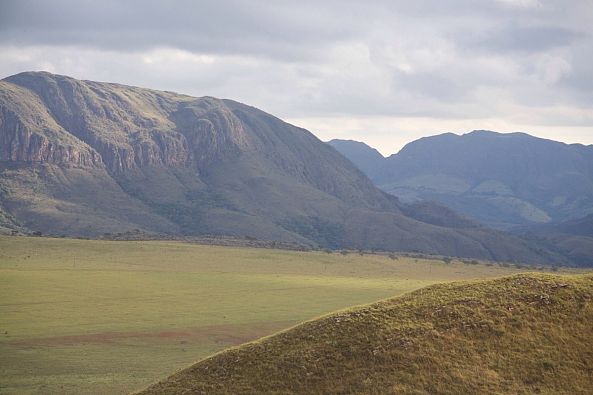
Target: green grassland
{"x": 84, "y": 316}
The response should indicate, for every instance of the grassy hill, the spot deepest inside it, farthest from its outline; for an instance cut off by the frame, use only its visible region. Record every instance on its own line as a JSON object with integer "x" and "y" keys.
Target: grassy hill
{"x": 527, "y": 333}
{"x": 91, "y": 316}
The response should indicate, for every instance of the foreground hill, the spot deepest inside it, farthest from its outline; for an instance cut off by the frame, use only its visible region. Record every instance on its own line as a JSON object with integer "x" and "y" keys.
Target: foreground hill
{"x": 87, "y": 158}
{"x": 502, "y": 180}
{"x": 520, "y": 334}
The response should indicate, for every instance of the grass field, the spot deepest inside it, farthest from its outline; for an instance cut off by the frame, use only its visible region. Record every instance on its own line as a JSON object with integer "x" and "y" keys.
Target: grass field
{"x": 79, "y": 316}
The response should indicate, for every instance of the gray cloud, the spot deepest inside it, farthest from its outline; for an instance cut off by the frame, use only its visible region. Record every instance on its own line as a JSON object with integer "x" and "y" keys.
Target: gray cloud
{"x": 335, "y": 66}
{"x": 524, "y": 39}
{"x": 259, "y": 28}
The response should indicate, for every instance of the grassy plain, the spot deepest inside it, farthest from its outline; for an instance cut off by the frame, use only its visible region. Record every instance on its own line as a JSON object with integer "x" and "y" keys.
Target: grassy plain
{"x": 83, "y": 316}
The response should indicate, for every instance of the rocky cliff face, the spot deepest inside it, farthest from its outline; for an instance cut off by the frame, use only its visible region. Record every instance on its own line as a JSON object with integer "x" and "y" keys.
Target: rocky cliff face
{"x": 130, "y": 127}
{"x": 29, "y": 134}
{"x": 23, "y": 145}
{"x": 210, "y": 130}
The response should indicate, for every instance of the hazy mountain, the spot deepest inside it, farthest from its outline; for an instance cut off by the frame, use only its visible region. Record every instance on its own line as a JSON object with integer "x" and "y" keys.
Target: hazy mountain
{"x": 573, "y": 238}
{"x": 502, "y": 180}
{"x": 522, "y": 334}
{"x": 366, "y": 158}
{"x": 83, "y": 158}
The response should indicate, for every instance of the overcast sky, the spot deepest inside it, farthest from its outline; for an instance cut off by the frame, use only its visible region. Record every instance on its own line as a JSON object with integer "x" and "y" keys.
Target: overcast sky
{"x": 383, "y": 72}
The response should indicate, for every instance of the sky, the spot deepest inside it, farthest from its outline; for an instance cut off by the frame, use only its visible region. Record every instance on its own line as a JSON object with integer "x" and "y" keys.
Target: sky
{"x": 383, "y": 72}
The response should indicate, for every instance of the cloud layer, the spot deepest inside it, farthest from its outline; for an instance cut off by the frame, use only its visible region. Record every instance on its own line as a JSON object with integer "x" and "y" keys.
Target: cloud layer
{"x": 385, "y": 72}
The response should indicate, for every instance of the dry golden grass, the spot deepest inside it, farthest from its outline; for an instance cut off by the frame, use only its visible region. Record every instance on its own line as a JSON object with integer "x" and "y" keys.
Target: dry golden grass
{"x": 523, "y": 334}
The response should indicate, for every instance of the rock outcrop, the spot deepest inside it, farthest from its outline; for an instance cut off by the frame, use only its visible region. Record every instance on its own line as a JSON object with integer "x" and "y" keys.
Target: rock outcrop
{"x": 29, "y": 134}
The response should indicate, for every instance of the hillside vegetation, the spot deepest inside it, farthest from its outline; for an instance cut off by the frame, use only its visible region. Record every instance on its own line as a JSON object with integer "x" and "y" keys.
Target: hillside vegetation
{"x": 527, "y": 333}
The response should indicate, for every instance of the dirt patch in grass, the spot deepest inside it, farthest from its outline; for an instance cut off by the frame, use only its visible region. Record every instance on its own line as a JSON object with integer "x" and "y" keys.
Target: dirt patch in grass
{"x": 232, "y": 334}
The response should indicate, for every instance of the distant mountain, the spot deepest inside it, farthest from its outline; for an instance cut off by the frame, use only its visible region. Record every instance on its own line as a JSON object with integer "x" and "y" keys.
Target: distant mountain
{"x": 502, "y": 180}
{"x": 573, "y": 238}
{"x": 523, "y": 334}
{"x": 86, "y": 158}
{"x": 367, "y": 159}
{"x": 576, "y": 227}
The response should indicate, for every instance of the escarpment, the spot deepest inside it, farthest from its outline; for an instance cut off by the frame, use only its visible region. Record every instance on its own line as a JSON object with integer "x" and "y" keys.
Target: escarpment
{"x": 29, "y": 134}
{"x": 22, "y": 145}
{"x": 126, "y": 127}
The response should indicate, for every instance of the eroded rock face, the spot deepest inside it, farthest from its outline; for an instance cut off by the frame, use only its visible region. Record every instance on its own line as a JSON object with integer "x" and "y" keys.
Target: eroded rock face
{"x": 20, "y": 142}
{"x": 210, "y": 129}
{"x": 127, "y": 127}
{"x": 150, "y": 149}
{"x": 21, "y": 145}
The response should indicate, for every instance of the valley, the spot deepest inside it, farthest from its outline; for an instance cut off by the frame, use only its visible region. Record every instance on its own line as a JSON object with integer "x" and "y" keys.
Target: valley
{"x": 91, "y": 316}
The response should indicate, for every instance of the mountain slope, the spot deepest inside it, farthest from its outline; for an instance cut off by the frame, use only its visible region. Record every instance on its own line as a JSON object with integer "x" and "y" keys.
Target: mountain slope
{"x": 573, "y": 238}
{"x": 366, "y": 158}
{"x": 84, "y": 158}
{"x": 576, "y": 227}
{"x": 502, "y": 180}
{"x": 521, "y": 334}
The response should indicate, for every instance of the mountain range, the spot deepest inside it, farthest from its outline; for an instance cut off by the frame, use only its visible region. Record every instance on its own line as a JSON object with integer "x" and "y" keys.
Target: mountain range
{"x": 502, "y": 180}
{"x": 539, "y": 189}
{"x": 84, "y": 158}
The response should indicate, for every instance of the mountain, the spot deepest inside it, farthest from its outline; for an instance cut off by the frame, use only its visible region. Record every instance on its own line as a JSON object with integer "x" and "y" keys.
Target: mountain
{"x": 576, "y": 227}
{"x": 523, "y": 334}
{"x": 367, "y": 159}
{"x": 572, "y": 239}
{"x": 502, "y": 180}
{"x": 86, "y": 158}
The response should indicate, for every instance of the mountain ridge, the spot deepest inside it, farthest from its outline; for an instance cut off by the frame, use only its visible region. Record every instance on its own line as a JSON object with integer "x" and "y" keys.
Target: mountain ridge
{"x": 86, "y": 158}
{"x": 501, "y": 179}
